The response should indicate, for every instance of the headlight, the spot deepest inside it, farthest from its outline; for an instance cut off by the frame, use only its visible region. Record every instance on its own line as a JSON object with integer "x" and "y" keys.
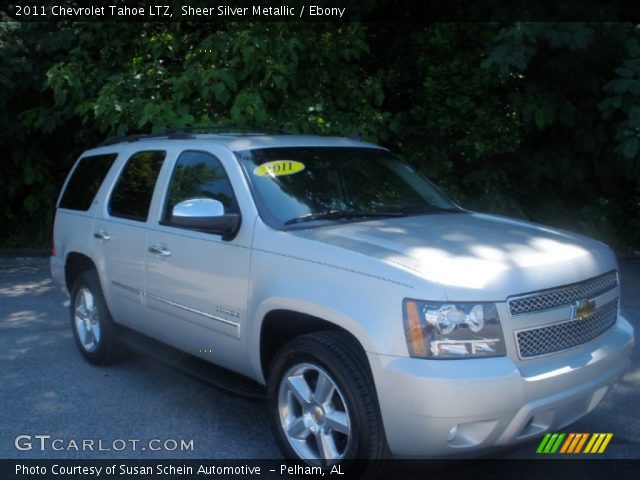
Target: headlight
{"x": 452, "y": 330}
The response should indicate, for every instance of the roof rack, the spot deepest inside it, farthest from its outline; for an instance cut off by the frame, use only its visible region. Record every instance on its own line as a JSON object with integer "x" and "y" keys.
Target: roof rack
{"x": 134, "y": 138}
{"x": 228, "y": 129}
{"x": 187, "y": 132}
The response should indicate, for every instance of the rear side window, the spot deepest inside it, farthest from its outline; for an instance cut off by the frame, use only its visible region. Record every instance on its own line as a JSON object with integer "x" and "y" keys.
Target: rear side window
{"x": 85, "y": 181}
{"x": 132, "y": 194}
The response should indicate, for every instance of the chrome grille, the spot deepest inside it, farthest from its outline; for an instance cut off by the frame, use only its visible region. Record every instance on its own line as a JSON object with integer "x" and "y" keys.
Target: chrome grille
{"x": 556, "y": 297}
{"x": 561, "y": 336}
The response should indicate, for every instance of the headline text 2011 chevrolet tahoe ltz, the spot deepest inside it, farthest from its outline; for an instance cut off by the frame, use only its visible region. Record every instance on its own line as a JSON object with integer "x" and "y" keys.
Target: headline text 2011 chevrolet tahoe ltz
{"x": 383, "y": 318}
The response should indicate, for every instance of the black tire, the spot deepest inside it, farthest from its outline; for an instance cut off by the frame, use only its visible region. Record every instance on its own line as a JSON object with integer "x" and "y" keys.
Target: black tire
{"x": 105, "y": 349}
{"x": 334, "y": 353}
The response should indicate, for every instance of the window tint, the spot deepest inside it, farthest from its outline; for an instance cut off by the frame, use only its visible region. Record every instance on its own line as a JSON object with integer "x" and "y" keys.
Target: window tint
{"x": 131, "y": 197}
{"x": 85, "y": 181}
{"x": 199, "y": 175}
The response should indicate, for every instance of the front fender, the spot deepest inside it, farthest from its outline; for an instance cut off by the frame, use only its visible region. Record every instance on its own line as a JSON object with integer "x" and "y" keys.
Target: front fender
{"x": 368, "y": 308}
{"x": 305, "y": 307}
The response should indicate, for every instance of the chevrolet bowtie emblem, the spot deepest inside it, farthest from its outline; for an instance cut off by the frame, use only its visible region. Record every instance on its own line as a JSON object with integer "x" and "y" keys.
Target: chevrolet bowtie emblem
{"x": 583, "y": 308}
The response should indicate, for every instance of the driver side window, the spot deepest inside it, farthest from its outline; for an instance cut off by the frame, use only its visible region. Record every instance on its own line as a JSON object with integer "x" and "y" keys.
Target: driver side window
{"x": 199, "y": 175}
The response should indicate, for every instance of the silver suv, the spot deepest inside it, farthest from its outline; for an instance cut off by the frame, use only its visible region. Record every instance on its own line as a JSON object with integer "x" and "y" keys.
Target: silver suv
{"x": 382, "y": 318}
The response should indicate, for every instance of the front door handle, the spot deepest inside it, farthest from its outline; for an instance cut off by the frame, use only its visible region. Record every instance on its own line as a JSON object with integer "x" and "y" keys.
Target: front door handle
{"x": 102, "y": 235}
{"x": 160, "y": 250}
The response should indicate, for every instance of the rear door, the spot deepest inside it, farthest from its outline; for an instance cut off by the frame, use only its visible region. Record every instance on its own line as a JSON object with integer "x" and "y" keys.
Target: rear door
{"x": 120, "y": 235}
{"x": 196, "y": 282}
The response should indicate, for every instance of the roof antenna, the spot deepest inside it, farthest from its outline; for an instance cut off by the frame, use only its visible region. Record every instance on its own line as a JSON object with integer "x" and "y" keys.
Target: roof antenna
{"x": 355, "y": 136}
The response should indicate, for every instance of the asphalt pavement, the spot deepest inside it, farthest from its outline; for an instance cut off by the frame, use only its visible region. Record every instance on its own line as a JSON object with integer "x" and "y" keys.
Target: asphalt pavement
{"x": 49, "y": 396}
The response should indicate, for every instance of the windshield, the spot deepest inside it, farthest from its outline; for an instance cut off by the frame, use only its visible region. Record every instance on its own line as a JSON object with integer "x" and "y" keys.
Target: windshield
{"x": 335, "y": 184}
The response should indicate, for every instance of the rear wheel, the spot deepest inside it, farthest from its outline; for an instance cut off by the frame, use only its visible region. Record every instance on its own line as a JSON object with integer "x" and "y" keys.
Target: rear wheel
{"x": 322, "y": 401}
{"x": 91, "y": 322}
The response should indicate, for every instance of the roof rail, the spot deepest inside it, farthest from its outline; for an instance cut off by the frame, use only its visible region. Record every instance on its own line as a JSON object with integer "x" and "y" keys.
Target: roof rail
{"x": 169, "y": 134}
{"x": 227, "y": 129}
{"x": 187, "y": 132}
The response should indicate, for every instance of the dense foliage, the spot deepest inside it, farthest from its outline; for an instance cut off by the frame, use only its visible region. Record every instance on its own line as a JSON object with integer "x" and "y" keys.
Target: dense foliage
{"x": 536, "y": 120}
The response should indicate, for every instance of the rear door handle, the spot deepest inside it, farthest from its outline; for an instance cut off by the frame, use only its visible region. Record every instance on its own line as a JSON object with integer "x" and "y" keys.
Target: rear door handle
{"x": 102, "y": 235}
{"x": 160, "y": 250}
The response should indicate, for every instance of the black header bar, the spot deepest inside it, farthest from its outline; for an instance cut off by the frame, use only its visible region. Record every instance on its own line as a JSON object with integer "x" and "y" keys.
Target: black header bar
{"x": 319, "y": 10}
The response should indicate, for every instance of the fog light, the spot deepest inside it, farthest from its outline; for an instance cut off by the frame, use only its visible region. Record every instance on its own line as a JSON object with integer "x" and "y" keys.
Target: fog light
{"x": 452, "y": 433}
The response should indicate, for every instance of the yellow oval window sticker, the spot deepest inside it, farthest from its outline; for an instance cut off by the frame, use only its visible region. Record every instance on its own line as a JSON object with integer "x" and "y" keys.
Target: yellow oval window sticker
{"x": 278, "y": 168}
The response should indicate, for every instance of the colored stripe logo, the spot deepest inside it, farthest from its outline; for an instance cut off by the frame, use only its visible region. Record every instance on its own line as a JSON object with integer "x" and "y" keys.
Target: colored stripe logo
{"x": 574, "y": 443}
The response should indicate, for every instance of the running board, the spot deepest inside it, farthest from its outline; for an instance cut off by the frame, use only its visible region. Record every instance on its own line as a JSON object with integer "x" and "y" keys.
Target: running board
{"x": 214, "y": 375}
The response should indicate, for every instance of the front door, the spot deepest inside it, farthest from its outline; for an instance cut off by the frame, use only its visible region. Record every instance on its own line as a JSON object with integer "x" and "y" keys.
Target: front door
{"x": 196, "y": 283}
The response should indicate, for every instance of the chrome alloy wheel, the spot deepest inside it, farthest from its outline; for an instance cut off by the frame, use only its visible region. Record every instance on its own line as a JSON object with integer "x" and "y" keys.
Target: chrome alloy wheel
{"x": 313, "y": 414}
{"x": 87, "y": 320}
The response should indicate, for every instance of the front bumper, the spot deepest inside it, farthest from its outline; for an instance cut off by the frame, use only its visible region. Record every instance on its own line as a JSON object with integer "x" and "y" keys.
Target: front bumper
{"x": 493, "y": 401}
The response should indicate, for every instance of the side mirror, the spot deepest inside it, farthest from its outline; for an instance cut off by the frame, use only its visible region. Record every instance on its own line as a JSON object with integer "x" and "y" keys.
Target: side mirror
{"x": 205, "y": 214}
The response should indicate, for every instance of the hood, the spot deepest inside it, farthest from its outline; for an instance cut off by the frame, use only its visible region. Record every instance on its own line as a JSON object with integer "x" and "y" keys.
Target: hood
{"x": 474, "y": 257}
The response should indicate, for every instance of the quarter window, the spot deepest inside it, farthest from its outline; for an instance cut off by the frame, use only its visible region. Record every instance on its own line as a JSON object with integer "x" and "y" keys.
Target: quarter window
{"x": 85, "y": 181}
{"x": 199, "y": 175}
{"x": 132, "y": 194}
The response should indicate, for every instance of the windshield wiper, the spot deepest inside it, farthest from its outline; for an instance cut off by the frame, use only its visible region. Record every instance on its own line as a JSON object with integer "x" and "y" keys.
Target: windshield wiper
{"x": 341, "y": 214}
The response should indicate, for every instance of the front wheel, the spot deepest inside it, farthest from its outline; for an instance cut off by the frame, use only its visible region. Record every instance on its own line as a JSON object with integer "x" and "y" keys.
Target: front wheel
{"x": 322, "y": 401}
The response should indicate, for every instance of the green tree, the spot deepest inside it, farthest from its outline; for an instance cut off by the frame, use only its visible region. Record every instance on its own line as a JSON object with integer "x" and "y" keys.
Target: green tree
{"x": 537, "y": 120}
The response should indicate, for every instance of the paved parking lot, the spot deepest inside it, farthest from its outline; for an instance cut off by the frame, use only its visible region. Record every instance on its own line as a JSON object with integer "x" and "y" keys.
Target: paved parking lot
{"x": 47, "y": 389}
